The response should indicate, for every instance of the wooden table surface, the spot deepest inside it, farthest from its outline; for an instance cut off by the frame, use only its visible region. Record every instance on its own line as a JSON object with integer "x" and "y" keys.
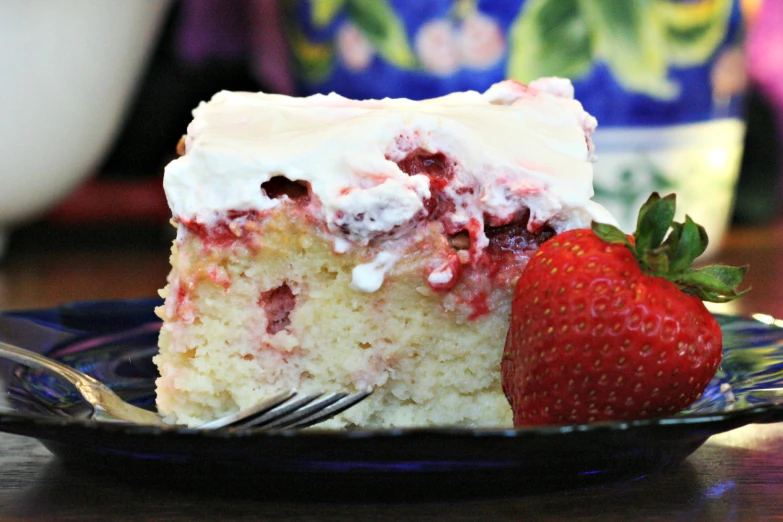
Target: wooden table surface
{"x": 734, "y": 476}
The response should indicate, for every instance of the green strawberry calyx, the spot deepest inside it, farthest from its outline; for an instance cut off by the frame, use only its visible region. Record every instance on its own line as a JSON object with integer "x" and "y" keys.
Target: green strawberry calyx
{"x": 667, "y": 249}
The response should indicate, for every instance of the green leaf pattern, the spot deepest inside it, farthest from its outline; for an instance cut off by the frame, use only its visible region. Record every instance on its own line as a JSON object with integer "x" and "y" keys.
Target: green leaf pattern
{"x": 375, "y": 20}
{"x": 638, "y": 40}
{"x": 550, "y": 38}
{"x": 381, "y": 25}
{"x": 629, "y": 44}
{"x": 323, "y": 12}
{"x": 313, "y": 60}
{"x": 692, "y": 30}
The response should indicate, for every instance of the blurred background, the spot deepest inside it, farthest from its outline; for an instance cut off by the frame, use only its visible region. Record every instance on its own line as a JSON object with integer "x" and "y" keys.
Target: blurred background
{"x": 688, "y": 93}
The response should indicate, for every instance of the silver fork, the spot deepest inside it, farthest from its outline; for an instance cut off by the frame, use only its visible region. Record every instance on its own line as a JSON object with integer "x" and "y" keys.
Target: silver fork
{"x": 284, "y": 411}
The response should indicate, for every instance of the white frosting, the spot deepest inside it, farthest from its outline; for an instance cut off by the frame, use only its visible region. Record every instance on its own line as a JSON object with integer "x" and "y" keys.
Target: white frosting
{"x": 364, "y": 214}
{"x": 368, "y": 277}
{"x": 513, "y": 147}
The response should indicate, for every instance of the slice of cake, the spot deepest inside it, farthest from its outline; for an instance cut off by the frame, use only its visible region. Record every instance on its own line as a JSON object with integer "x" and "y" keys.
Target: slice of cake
{"x": 331, "y": 244}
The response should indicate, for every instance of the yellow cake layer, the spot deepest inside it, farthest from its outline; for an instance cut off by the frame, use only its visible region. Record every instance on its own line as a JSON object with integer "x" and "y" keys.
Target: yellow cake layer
{"x": 429, "y": 362}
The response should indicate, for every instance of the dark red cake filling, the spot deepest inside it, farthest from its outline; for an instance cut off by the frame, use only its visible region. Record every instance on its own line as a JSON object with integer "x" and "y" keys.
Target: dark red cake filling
{"x": 437, "y": 168}
{"x": 225, "y": 232}
{"x": 277, "y": 304}
{"x": 515, "y": 238}
{"x": 510, "y": 246}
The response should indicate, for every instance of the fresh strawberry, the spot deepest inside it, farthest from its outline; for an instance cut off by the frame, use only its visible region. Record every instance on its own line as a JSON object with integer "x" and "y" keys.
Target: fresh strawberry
{"x": 607, "y": 327}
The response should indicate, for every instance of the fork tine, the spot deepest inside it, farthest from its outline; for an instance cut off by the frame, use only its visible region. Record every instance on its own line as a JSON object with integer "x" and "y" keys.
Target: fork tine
{"x": 282, "y": 409}
{"x": 286, "y": 410}
{"x": 337, "y": 407}
{"x": 308, "y": 410}
{"x": 251, "y": 412}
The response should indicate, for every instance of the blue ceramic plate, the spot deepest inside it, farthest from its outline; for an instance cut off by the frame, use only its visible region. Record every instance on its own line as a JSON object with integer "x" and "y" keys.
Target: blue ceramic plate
{"x": 366, "y": 463}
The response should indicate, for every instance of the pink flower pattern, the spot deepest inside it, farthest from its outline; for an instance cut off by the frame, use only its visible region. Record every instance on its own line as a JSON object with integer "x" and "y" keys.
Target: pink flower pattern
{"x": 354, "y": 48}
{"x": 482, "y": 43}
{"x": 436, "y": 46}
{"x": 444, "y": 47}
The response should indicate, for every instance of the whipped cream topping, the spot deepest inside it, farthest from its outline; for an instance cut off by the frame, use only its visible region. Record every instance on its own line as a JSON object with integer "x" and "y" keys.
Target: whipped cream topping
{"x": 512, "y": 147}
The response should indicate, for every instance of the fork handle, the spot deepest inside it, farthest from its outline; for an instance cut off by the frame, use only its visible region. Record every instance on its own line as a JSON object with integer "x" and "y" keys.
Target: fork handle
{"x": 97, "y": 394}
{"x": 41, "y": 362}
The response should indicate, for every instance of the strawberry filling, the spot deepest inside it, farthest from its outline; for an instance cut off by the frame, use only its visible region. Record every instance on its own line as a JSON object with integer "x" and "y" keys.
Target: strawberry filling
{"x": 437, "y": 169}
{"x": 277, "y": 304}
{"x": 225, "y": 232}
{"x": 510, "y": 246}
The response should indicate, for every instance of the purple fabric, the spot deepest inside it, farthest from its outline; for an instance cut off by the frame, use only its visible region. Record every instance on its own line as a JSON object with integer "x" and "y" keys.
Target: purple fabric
{"x": 209, "y": 29}
{"x": 235, "y": 30}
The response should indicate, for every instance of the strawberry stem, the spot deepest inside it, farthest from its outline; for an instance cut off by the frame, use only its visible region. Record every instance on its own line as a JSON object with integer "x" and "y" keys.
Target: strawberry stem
{"x": 665, "y": 248}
